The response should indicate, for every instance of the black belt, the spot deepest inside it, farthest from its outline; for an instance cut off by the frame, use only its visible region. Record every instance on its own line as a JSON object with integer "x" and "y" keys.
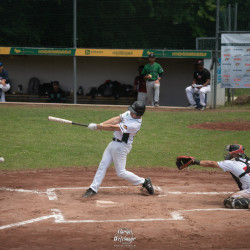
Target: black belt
{"x": 114, "y": 139}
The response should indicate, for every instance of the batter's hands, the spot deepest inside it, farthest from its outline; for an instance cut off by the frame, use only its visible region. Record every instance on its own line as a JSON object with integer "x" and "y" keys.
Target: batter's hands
{"x": 92, "y": 126}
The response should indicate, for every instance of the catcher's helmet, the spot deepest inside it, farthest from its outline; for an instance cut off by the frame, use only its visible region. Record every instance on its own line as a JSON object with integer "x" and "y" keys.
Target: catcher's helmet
{"x": 234, "y": 149}
{"x": 138, "y": 108}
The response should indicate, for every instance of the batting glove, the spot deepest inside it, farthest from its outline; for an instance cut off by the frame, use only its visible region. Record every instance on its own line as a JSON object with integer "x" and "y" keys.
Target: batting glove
{"x": 92, "y": 126}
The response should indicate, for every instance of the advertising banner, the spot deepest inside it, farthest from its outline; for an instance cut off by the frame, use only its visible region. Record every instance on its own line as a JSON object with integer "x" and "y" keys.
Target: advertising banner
{"x": 89, "y": 52}
{"x": 235, "y": 60}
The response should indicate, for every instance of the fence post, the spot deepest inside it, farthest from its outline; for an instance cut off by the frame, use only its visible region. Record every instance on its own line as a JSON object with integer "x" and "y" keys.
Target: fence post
{"x": 216, "y": 51}
{"x": 75, "y": 45}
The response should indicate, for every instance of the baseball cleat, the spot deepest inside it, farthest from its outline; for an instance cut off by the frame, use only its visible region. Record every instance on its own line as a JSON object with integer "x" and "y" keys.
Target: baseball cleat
{"x": 89, "y": 193}
{"x": 202, "y": 108}
{"x": 148, "y": 185}
{"x": 156, "y": 104}
{"x": 190, "y": 106}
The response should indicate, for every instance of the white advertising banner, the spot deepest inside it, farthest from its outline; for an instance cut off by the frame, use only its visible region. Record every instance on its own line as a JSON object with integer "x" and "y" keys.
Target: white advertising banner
{"x": 235, "y": 60}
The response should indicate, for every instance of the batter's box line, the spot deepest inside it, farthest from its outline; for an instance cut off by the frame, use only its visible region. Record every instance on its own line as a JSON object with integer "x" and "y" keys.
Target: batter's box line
{"x": 51, "y": 192}
{"x": 59, "y": 218}
{"x": 22, "y": 190}
{"x": 175, "y": 216}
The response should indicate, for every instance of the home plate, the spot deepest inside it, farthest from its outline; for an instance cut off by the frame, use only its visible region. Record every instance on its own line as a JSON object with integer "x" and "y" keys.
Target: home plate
{"x": 108, "y": 204}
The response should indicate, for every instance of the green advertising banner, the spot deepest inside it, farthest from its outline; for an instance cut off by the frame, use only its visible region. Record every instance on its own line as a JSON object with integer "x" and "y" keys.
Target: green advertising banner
{"x": 105, "y": 52}
{"x": 187, "y": 54}
{"x": 42, "y": 51}
{"x": 158, "y": 53}
{"x": 178, "y": 53}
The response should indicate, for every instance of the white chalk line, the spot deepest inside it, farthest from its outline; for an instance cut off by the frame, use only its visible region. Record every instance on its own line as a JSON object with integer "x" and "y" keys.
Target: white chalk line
{"x": 27, "y": 222}
{"x": 57, "y": 214}
{"x": 199, "y": 193}
{"x": 22, "y": 190}
{"x": 175, "y": 216}
{"x": 59, "y": 218}
{"x": 51, "y": 192}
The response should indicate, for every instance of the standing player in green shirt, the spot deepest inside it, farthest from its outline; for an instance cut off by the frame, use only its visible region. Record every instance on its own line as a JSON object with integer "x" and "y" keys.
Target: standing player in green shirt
{"x": 152, "y": 73}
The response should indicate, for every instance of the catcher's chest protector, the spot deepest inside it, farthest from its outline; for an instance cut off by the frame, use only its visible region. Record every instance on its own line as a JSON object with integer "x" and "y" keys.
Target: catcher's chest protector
{"x": 247, "y": 171}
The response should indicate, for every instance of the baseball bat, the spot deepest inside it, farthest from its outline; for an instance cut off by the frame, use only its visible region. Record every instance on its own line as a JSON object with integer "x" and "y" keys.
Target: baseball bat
{"x": 55, "y": 119}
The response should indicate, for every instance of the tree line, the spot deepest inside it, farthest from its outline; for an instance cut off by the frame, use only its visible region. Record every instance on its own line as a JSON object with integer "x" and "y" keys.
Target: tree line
{"x": 170, "y": 24}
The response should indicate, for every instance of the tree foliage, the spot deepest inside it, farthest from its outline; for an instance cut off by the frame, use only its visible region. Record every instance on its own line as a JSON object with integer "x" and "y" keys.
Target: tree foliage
{"x": 111, "y": 23}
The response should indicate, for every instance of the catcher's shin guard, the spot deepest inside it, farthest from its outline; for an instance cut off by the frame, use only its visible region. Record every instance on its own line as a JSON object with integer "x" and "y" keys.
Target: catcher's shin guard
{"x": 237, "y": 203}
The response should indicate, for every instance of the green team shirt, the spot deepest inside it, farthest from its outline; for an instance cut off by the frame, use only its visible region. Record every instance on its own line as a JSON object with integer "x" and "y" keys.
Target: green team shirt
{"x": 153, "y": 69}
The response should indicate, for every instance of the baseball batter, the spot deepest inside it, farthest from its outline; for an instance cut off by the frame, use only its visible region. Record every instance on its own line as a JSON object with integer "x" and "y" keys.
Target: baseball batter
{"x": 125, "y": 127}
{"x": 238, "y": 164}
{"x": 152, "y": 73}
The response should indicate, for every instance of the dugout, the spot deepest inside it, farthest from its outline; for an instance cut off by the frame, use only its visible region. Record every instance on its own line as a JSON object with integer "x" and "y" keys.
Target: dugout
{"x": 94, "y": 66}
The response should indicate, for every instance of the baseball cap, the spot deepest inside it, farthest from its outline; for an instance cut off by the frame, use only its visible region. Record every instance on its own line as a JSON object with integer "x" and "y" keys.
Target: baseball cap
{"x": 151, "y": 55}
{"x": 200, "y": 62}
{"x": 1, "y": 64}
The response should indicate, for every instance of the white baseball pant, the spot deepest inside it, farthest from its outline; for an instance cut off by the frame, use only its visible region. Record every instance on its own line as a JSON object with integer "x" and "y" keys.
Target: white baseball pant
{"x": 243, "y": 193}
{"x": 143, "y": 97}
{"x": 190, "y": 91}
{"x": 153, "y": 91}
{"x": 115, "y": 152}
{"x": 4, "y": 89}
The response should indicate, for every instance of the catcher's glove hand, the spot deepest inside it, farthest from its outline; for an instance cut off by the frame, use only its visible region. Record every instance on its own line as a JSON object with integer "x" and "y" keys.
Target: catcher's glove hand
{"x": 184, "y": 161}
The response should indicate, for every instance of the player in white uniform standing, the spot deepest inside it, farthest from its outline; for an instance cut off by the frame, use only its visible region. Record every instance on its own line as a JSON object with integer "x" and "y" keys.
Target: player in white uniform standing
{"x": 4, "y": 82}
{"x": 125, "y": 127}
{"x": 237, "y": 163}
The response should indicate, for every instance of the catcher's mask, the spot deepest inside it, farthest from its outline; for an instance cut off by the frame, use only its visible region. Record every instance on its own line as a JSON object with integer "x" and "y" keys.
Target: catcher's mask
{"x": 234, "y": 149}
{"x": 137, "y": 108}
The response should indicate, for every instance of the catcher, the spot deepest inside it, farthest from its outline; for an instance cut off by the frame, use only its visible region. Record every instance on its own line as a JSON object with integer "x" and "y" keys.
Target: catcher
{"x": 237, "y": 163}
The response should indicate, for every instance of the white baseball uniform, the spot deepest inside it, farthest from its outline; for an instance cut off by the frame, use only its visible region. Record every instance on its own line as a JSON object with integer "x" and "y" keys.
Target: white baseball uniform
{"x": 237, "y": 168}
{"x": 117, "y": 152}
{"x": 153, "y": 92}
{"x": 3, "y": 90}
{"x": 202, "y": 92}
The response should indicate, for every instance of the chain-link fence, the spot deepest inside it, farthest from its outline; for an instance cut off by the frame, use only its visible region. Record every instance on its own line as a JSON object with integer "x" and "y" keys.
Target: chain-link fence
{"x": 106, "y": 23}
{"x": 123, "y": 24}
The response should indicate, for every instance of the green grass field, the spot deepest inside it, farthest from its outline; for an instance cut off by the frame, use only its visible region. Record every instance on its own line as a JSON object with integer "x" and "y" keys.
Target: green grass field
{"x": 29, "y": 141}
{"x": 242, "y": 92}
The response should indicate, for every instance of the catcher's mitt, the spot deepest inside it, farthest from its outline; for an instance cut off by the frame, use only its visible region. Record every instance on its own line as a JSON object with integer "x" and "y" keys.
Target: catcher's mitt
{"x": 184, "y": 161}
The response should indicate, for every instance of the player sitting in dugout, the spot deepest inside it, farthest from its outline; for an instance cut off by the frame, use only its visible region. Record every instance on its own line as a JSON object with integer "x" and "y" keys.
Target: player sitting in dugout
{"x": 237, "y": 163}
{"x": 200, "y": 85}
{"x": 56, "y": 95}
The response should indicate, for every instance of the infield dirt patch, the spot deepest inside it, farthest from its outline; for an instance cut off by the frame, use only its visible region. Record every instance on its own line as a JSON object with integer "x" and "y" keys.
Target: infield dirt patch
{"x": 223, "y": 126}
{"x": 190, "y": 206}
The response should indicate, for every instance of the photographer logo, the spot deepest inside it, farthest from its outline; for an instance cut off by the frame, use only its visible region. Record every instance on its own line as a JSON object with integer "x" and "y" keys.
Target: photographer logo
{"x": 124, "y": 238}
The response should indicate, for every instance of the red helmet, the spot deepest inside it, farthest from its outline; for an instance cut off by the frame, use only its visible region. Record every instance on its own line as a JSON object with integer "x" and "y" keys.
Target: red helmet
{"x": 234, "y": 149}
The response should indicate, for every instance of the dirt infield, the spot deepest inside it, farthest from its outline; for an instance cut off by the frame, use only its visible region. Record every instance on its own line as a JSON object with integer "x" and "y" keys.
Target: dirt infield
{"x": 44, "y": 210}
{"x": 223, "y": 126}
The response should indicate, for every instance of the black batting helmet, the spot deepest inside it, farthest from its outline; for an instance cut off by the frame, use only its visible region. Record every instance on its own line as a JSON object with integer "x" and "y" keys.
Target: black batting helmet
{"x": 137, "y": 108}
